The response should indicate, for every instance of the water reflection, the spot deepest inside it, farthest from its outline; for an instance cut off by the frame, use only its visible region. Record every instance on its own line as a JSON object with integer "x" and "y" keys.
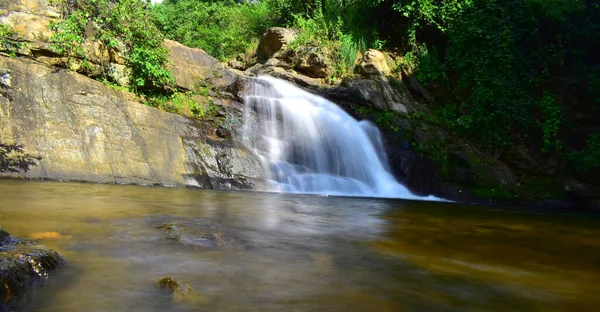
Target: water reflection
{"x": 301, "y": 253}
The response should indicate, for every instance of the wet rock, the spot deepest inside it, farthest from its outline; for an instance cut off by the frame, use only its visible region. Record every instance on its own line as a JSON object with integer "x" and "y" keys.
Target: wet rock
{"x": 223, "y": 133}
{"x": 381, "y": 93}
{"x": 222, "y": 166}
{"x": 179, "y": 291}
{"x": 23, "y": 264}
{"x": 200, "y": 233}
{"x": 289, "y": 75}
{"x": 274, "y": 40}
{"x": 583, "y": 194}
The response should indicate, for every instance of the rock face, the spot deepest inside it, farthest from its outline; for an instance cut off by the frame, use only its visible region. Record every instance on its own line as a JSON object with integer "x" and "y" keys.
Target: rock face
{"x": 30, "y": 18}
{"x": 84, "y": 130}
{"x": 22, "y": 264}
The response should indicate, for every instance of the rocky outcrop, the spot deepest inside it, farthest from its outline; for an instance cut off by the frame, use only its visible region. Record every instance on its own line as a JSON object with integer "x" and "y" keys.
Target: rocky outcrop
{"x": 274, "y": 51}
{"x": 193, "y": 69}
{"x": 22, "y": 265}
{"x": 374, "y": 62}
{"x": 382, "y": 93}
{"x": 30, "y": 18}
{"x": 274, "y": 40}
{"x": 84, "y": 130}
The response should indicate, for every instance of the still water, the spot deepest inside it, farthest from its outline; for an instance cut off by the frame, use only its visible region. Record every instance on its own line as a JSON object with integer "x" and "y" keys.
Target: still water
{"x": 302, "y": 253}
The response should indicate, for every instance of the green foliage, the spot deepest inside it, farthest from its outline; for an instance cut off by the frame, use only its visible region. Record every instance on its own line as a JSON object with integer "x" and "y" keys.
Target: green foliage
{"x": 69, "y": 35}
{"x": 113, "y": 85}
{"x": 552, "y": 118}
{"x": 8, "y": 40}
{"x": 345, "y": 27}
{"x": 588, "y": 159}
{"x": 222, "y": 28}
{"x": 505, "y": 63}
{"x": 191, "y": 104}
{"x": 113, "y": 23}
{"x": 426, "y": 65}
{"x": 388, "y": 120}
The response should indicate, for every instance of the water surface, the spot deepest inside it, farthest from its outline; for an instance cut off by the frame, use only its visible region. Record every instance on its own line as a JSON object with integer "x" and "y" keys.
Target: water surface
{"x": 302, "y": 252}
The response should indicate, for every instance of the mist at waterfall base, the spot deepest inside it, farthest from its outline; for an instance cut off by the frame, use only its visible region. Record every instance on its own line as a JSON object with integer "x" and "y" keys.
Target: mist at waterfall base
{"x": 311, "y": 146}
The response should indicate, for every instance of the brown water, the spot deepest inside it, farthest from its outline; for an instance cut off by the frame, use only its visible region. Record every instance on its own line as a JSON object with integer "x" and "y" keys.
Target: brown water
{"x": 303, "y": 253}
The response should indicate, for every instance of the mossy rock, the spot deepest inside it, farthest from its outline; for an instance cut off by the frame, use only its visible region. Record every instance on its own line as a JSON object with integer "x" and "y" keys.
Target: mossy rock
{"x": 179, "y": 291}
{"x": 22, "y": 265}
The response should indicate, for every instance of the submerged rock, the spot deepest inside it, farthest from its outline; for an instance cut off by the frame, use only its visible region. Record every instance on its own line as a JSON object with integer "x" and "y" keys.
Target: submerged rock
{"x": 179, "y": 291}
{"x": 22, "y": 265}
{"x": 199, "y": 233}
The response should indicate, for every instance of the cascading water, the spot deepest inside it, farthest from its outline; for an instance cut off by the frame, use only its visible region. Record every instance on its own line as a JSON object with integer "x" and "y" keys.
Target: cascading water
{"x": 310, "y": 145}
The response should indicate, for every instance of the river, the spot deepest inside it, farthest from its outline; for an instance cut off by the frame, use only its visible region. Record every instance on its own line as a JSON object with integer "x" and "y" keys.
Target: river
{"x": 302, "y": 253}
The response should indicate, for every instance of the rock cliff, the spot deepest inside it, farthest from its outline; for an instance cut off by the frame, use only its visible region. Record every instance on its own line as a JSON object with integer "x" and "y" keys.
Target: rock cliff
{"x": 84, "y": 130}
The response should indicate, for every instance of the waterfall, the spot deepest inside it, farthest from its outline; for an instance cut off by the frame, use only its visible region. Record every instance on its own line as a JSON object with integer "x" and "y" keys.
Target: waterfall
{"x": 310, "y": 145}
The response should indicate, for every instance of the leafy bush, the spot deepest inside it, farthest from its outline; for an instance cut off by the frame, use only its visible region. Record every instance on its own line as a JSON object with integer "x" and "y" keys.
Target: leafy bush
{"x": 513, "y": 67}
{"x": 221, "y": 28}
{"x": 588, "y": 159}
{"x": 125, "y": 21}
{"x": 8, "y": 40}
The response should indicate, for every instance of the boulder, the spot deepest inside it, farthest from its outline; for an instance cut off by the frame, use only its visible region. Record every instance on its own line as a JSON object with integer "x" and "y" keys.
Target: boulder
{"x": 22, "y": 265}
{"x": 375, "y": 62}
{"x": 311, "y": 61}
{"x": 193, "y": 68}
{"x": 274, "y": 40}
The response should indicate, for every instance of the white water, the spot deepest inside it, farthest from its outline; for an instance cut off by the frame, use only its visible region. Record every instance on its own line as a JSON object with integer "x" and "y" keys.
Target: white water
{"x": 310, "y": 145}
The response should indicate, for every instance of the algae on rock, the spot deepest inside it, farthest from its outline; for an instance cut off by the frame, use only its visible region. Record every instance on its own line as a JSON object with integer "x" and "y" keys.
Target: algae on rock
{"x": 23, "y": 264}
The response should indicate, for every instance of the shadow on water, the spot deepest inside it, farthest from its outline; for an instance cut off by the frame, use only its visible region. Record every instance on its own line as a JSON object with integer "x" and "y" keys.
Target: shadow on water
{"x": 301, "y": 252}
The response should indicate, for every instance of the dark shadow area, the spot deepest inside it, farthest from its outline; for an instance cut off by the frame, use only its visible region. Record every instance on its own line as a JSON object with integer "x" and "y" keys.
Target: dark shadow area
{"x": 14, "y": 159}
